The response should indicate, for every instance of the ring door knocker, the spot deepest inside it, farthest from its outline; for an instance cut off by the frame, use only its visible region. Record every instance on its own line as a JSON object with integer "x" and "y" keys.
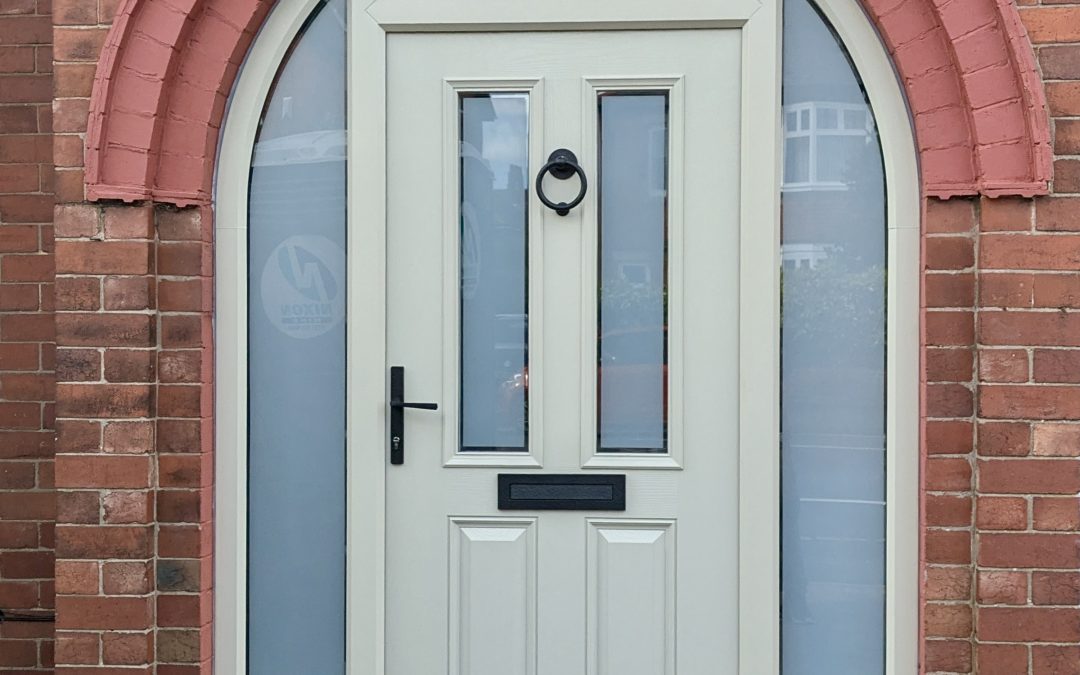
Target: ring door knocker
{"x": 561, "y": 164}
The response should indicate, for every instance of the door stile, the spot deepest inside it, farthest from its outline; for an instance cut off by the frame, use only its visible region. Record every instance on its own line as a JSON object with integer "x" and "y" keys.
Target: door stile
{"x": 366, "y": 388}
{"x": 759, "y": 346}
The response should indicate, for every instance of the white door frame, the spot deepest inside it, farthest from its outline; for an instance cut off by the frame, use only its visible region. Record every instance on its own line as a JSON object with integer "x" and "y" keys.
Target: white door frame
{"x": 759, "y": 561}
{"x": 902, "y": 452}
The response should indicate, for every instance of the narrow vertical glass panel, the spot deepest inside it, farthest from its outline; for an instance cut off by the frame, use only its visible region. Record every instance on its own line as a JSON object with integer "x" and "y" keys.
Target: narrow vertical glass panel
{"x": 631, "y": 382}
{"x": 494, "y": 145}
{"x": 833, "y": 360}
{"x": 296, "y": 361}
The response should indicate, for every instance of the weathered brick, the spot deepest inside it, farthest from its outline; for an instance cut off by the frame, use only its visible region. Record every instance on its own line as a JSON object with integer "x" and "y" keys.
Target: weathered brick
{"x": 1057, "y": 440}
{"x": 126, "y": 577}
{"x": 1055, "y": 588}
{"x": 102, "y": 257}
{"x": 100, "y": 400}
{"x": 1005, "y": 214}
{"x": 103, "y": 613}
{"x": 1001, "y": 659}
{"x": 103, "y": 471}
{"x": 1002, "y": 588}
{"x": 1029, "y": 624}
{"x": 1003, "y": 401}
{"x": 105, "y": 330}
{"x": 102, "y": 542}
{"x": 1056, "y": 513}
{"x": 949, "y": 437}
{"x": 1001, "y": 513}
{"x": 1053, "y": 551}
{"x": 1029, "y": 476}
{"x": 953, "y": 656}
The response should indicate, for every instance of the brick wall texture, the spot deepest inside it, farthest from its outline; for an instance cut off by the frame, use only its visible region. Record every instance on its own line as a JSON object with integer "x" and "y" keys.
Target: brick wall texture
{"x": 1002, "y": 405}
{"x": 117, "y": 331}
{"x": 27, "y": 498}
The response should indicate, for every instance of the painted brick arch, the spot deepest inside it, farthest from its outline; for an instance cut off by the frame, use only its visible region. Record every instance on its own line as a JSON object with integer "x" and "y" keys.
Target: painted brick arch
{"x": 167, "y": 67}
{"x": 159, "y": 97}
{"x": 979, "y": 108}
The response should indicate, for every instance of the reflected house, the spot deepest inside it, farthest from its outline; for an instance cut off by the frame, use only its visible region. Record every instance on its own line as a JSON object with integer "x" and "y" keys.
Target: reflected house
{"x": 833, "y": 362}
{"x": 820, "y": 140}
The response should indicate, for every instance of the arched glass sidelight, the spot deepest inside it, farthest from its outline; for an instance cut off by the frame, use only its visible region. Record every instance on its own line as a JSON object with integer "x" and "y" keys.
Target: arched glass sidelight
{"x": 833, "y": 355}
{"x": 296, "y": 361}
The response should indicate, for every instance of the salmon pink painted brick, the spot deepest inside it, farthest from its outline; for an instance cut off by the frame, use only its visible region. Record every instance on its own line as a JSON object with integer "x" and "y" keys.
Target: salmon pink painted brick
{"x": 969, "y": 55}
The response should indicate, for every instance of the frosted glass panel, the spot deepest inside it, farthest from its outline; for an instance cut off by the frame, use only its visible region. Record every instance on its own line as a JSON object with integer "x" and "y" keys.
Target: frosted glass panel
{"x": 632, "y": 284}
{"x": 833, "y": 360}
{"x": 494, "y": 272}
{"x": 296, "y": 368}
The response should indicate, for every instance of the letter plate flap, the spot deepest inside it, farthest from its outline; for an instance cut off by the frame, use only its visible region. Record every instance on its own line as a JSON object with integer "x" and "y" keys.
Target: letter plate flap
{"x": 562, "y": 492}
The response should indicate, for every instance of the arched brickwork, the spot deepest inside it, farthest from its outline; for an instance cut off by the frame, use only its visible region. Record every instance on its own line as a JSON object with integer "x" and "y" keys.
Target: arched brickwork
{"x": 159, "y": 97}
{"x": 978, "y": 104}
{"x": 167, "y": 67}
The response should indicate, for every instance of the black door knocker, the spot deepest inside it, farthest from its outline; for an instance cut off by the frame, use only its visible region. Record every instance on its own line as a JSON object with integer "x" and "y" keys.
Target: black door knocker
{"x": 561, "y": 164}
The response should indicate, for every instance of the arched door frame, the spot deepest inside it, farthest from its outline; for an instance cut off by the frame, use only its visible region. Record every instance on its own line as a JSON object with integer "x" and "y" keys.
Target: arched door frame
{"x": 230, "y": 328}
{"x": 902, "y": 450}
{"x": 760, "y": 565}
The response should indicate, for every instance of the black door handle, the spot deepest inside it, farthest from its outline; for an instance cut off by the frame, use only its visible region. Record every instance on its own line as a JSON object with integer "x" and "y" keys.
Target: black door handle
{"x": 397, "y": 413}
{"x": 418, "y": 406}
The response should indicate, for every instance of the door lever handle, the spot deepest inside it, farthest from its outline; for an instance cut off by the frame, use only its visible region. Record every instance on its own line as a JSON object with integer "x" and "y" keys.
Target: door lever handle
{"x": 418, "y": 406}
{"x": 397, "y": 413}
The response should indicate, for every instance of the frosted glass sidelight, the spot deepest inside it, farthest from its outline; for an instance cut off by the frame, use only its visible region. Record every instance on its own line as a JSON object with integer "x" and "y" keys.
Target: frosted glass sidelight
{"x": 296, "y": 361}
{"x": 833, "y": 360}
{"x": 632, "y": 279}
{"x": 494, "y": 272}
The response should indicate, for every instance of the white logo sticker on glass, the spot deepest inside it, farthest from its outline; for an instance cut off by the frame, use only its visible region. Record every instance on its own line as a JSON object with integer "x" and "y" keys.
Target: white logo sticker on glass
{"x": 303, "y": 286}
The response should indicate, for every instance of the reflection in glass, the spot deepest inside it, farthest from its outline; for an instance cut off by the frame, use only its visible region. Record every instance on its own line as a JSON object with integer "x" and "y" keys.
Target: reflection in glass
{"x": 494, "y": 272}
{"x": 833, "y": 360}
{"x": 632, "y": 279}
{"x": 296, "y": 361}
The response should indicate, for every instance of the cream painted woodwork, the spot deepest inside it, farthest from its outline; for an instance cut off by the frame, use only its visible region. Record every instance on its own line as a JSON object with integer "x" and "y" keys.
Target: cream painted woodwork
{"x": 494, "y": 592}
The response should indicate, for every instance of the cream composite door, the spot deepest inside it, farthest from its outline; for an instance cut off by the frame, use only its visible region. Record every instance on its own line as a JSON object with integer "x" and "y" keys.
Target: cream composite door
{"x": 602, "y": 343}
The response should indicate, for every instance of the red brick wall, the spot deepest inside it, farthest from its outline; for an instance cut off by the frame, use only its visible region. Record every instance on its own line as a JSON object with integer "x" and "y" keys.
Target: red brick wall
{"x": 1002, "y": 512}
{"x": 133, "y": 532}
{"x": 1027, "y": 550}
{"x": 27, "y": 500}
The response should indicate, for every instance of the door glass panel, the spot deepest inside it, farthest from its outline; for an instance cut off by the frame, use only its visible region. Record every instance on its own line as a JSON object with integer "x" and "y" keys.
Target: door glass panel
{"x": 296, "y": 361}
{"x": 494, "y": 272}
{"x": 632, "y": 278}
{"x": 833, "y": 360}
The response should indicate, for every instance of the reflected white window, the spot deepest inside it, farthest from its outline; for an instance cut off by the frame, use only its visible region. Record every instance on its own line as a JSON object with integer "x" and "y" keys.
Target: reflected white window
{"x": 818, "y": 138}
{"x": 833, "y": 360}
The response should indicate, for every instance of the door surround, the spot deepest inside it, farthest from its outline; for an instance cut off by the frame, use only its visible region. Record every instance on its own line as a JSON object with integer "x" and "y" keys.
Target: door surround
{"x": 759, "y": 460}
